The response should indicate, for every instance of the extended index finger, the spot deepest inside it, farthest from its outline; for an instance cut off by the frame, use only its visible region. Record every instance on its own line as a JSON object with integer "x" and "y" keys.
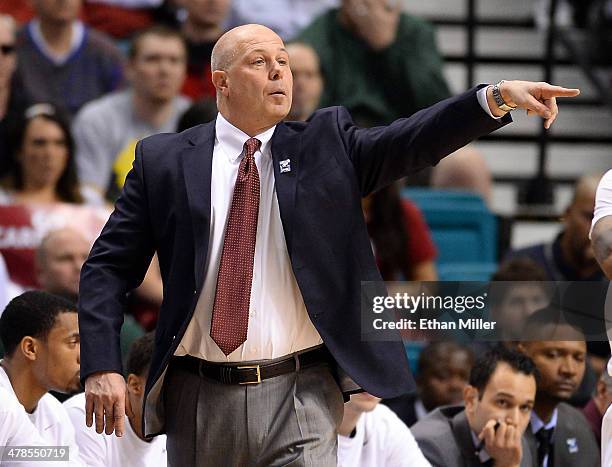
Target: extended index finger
{"x": 550, "y": 90}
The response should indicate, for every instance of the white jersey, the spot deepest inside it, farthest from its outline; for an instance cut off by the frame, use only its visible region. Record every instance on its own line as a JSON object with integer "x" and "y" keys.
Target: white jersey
{"x": 101, "y": 450}
{"x": 381, "y": 439}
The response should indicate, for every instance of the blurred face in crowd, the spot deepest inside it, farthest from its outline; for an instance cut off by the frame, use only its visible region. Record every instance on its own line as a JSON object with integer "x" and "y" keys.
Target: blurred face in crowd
{"x": 254, "y": 82}
{"x": 57, "y": 362}
{"x": 577, "y": 223}
{"x": 443, "y": 380}
{"x": 44, "y": 153}
{"x": 62, "y": 255}
{"x": 57, "y": 11}
{"x": 206, "y": 13}
{"x": 157, "y": 70}
{"x": 508, "y": 397}
{"x": 8, "y": 56}
{"x": 307, "y": 81}
{"x": 520, "y": 301}
{"x": 561, "y": 364}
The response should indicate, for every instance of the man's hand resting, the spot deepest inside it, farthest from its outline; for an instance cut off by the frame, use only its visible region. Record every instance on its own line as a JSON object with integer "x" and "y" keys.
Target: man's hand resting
{"x": 536, "y": 98}
{"x": 106, "y": 398}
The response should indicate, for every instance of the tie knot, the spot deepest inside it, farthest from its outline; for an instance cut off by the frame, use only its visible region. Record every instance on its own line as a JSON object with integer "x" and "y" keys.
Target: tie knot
{"x": 251, "y": 145}
{"x": 544, "y": 435}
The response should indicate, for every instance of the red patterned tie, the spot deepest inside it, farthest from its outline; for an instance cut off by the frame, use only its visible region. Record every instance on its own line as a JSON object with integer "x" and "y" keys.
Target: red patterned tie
{"x": 230, "y": 317}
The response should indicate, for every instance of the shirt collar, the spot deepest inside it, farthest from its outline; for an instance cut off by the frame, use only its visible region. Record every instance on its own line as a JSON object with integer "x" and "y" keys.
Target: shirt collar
{"x": 78, "y": 32}
{"x": 232, "y": 139}
{"x": 480, "y": 450}
{"x": 537, "y": 423}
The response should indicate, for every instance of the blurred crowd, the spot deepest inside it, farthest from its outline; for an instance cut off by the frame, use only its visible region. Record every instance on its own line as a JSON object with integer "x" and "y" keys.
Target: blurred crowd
{"x": 82, "y": 81}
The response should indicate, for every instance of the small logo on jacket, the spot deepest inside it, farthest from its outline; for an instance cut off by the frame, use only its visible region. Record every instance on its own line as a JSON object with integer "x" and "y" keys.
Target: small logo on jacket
{"x": 285, "y": 166}
{"x": 572, "y": 445}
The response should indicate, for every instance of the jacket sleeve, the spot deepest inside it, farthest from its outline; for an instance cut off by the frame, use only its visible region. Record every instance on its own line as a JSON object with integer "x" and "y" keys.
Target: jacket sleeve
{"x": 381, "y": 155}
{"x": 117, "y": 264}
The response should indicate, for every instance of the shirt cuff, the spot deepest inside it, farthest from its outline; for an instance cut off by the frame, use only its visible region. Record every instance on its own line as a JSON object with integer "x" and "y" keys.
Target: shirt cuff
{"x": 482, "y": 100}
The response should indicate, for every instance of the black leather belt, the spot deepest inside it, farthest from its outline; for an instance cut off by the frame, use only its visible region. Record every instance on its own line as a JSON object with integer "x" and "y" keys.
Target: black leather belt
{"x": 251, "y": 374}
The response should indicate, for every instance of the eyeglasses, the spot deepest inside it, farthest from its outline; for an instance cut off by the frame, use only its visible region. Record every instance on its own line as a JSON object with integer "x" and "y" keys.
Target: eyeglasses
{"x": 7, "y": 49}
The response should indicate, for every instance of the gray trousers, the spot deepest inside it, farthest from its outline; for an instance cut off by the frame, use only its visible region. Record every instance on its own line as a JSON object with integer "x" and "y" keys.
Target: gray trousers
{"x": 288, "y": 420}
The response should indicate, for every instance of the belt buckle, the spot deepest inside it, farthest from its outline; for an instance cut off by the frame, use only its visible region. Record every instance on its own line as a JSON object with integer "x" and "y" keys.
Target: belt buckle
{"x": 251, "y": 367}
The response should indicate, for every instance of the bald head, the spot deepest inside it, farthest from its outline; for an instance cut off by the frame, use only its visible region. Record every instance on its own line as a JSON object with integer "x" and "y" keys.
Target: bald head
{"x": 586, "y": 187}
{"x": 228, "y": 46}
{"x": 251, "y": 74}
{"x": 59, "y": 259}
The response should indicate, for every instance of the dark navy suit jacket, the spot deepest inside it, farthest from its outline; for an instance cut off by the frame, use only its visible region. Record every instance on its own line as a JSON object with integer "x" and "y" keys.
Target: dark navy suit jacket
{"x": 165, "y": 208}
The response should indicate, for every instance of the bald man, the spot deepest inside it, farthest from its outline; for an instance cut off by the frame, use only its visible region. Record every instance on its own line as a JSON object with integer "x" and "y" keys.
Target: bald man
{"x": 262, "y": 248}
{"x": 570, "y": 257}
{"x": 59, "y": 259}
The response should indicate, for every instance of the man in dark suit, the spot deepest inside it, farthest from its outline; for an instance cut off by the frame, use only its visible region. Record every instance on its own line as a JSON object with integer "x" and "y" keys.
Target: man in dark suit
{"x": 489, "y": 429}
{"x": 262, "y": 263}
{"x": 559, "y": 434}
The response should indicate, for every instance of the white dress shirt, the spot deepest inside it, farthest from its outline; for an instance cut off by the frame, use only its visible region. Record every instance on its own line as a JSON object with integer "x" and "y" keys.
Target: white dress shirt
{"x": 101, "y": 450}
{"x": 278, "y": 322}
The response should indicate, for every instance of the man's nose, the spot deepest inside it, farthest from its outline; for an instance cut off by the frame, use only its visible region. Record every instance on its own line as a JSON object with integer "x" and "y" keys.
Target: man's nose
{"x": 568, "y": 366}
{"x": 512, "y": 416}
{"x": 276, "y": 72}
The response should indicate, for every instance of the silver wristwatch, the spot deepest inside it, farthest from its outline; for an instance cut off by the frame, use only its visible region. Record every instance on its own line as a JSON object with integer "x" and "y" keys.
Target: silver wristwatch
{"x": 499, "y": 100}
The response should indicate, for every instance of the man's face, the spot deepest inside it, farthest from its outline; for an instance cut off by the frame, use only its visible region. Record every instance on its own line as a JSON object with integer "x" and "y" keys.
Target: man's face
{"x": 158, "y": 70}
{"x": 57, "y": 11}
{"x": 8, "y": 56}
{"x": 65, "y": 253}
{"x": 307, "y": 81}
{"x": 561, "y": 365}
{"x": 258, "y": 84}
{"x": 208, "y": 13}
{"x": 58, "y": 363}
{"x": 577, "y": 223}
{"x": 443, "y": 382}
{"x": 508, "y": 397}
{"x": 520, "y": 301}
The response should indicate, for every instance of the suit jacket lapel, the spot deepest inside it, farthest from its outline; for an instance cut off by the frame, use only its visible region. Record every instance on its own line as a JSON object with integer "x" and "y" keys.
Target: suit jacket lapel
{"x": 461, "y": 431}
{"x": 197, "y": 169}
{"x": 286, "y": 146}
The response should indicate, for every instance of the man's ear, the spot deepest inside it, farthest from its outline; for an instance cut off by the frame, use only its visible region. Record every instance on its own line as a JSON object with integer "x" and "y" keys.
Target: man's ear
{"x": 29, "y": 348}
{"x": 135, "y": 385}
{"x": 220, "y": 81}
{"x": 470, "y": 398}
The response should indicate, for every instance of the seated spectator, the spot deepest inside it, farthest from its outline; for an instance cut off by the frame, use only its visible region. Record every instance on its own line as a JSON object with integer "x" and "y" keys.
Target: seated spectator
{"x": 371, "y": 435}
{"x": 132, "y": 449}
{"x": 489, "y": 429}
{"x": 570, "y": 257}
{"x": 12, "y": 101}
{"x": 41, "y": 336}
{"x": 62, "y": 61}
{"x": 518, "y": 292}
{"x": 598, "y": 405}
{"x": 43, "y": 170}
{"x": 285, "y": 17}
{"x": 400, "y": 237}
{"x": 379, "y": 73}
{"x": 203, "y": 111}
{"x": 559, "y": 435}
{"x": 307, "y": 81}
{"x": 59, "y": 260}
{"x": 106, "y": 130}
{"x": 120, "y": 18}
{"x": 443, "y": 372}
{"x": 204, "y": 23}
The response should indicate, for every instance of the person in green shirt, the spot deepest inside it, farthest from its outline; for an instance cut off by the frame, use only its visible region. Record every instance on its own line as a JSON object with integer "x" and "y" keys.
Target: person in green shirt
{"x": 378, "y": 62}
